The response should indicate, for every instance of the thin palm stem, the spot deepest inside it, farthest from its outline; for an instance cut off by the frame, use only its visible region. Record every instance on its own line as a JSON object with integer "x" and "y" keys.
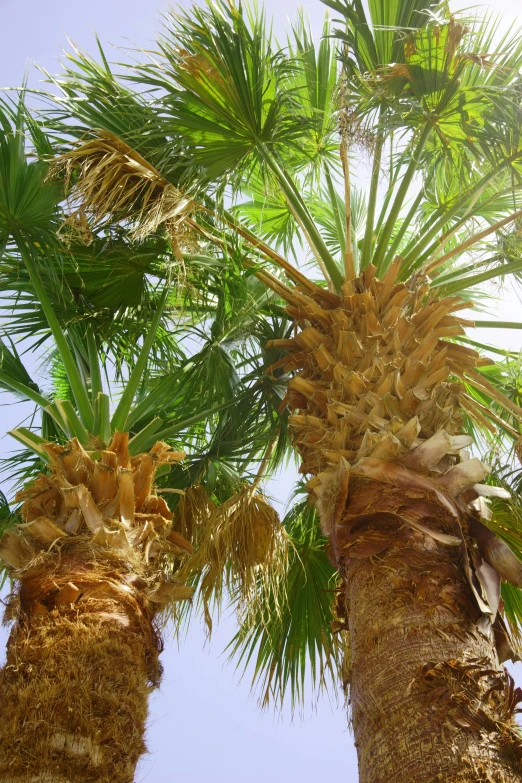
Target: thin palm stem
{"x": 131, "y": 387}
{"x": 395, "y": 210}
{"x": 94, "y": 364}
{"x": 444, "y": 214}
{"x": 335, "y": 209}
{"x": 473, "y": 240}
{"x": 349, "y": 267}
{"x": 294, "y": 199}
{"x": 372, "y": 198}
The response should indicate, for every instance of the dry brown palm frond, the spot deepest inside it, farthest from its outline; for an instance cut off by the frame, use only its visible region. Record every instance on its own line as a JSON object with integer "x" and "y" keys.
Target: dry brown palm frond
{"x": 342, "y": 651}
{"x": 105, "y": 178}
{"x": 75, "y": 228}
{"x": 193, "y": 513}
{"x": 242, "y": 544}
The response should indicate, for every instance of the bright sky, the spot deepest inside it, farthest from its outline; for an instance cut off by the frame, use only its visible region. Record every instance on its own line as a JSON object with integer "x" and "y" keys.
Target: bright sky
{"x": 204, "y": 724}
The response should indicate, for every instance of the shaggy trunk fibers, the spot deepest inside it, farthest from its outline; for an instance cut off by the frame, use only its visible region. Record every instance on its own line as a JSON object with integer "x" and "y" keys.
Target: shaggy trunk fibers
{"x": 428, "y": 697}
{"x": 89, "y": 564}
{"x": 75, "y": 686}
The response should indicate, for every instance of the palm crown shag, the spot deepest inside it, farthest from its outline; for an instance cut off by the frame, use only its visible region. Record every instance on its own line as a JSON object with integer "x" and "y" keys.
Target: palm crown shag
{"x": 252, "y": 148}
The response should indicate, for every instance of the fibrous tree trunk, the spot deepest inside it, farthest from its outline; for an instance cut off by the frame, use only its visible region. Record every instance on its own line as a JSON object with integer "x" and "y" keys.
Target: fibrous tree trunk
{"x": 430, "y": 701}
{"x": 83, "y": 653}
{"x": 377, "y": 416}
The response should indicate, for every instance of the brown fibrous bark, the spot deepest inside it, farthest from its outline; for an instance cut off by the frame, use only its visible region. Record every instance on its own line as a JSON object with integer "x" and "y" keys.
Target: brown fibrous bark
{"x": 88, "y": 564}
{"x": 429, "y": 699}
{"x": 82, "y": 659}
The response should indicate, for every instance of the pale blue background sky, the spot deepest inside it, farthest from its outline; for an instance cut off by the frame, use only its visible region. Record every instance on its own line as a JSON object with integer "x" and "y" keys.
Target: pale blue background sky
{"x": 204, "y": 725}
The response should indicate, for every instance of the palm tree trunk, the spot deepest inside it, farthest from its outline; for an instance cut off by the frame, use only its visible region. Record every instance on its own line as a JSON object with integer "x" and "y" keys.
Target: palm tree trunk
{"x": 429, "y": 699}
{"x": 89, "y": 567}
{"x": 377, "y": 419}
{"x": 81, "y": 661}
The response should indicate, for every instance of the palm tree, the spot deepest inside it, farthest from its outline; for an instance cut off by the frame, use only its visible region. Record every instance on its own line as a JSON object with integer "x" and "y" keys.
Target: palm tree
{"x": 96, "y": 545}
{"x": 385, "y": 389}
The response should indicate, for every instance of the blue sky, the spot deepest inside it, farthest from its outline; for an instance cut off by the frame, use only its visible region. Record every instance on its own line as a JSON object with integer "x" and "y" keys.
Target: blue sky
{"x": 204, "y": 724}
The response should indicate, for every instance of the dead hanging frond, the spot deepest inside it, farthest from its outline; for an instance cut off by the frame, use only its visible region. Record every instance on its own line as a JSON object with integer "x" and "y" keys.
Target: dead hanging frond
{"x": 75, "y": 228}
{"x": 193, "y": 513}
{"x": 244, "y": 543}
{"x": 106, "y": 178}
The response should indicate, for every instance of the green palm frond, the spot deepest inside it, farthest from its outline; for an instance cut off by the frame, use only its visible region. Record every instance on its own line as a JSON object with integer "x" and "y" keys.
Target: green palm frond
{"x": 293, "y": 645}
{"x": 27, "y": 206}
{"x": 267, "y": 213}
{"x": 377, "y": 39}
{"x": 12, "y": 367}
{"x": 92, "y": 97}
{"x": 314, "y": 78}
{"x": 226, "y": 86}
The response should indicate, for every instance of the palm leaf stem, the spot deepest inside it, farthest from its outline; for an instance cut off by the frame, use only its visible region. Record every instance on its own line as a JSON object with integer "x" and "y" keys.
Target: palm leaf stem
{"x": 442, "y": 216}
{"x": 404, "y": 227}
{"x": 313, "y": 248}
{"x": 335, "y": 209}
{"x": 489, "y": 274}
{"x": 205, "y": 233}
{"x": 272, "y": 282}
{"x": 169, "y": 432}
{"x": 71, "y": 418}
{"x": 461, "y": 272}
{"x": 402, "y": 192}
{"x": 26, "y": 391}
{"x": 94, "y": 364}
{"x": 150, "y": 400}
{"x": 131, "y": 387}
{"x": 491, "y": 348}
{"x": 484, "y": 385}
{"x": 445, "y": 238}
{"x": 80, "y": 363}
{"x": 296, "y": 202}
{"x": 498, "y": 325}
{"x": 372, "y": 199}
{"x": 103, "y": 408}
{"x": 487, "y": 414}
{"x": 349, "y": 267}
{"x": 264, "y": 249}
{"x": 473, "y": 240}
{"x": 137, "y": 443}
{"x": 62, "y": 422}
{"x": 73, "y": 374}
{"x": 293, "y": 273}
{"x": 30, "y": 440}
{"x": 263, "y": 275}
{"x": 390, "y": 190}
